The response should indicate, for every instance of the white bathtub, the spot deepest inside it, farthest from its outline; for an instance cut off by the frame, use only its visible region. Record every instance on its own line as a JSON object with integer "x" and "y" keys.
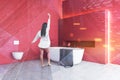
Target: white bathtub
{"x": 77, "y": 54}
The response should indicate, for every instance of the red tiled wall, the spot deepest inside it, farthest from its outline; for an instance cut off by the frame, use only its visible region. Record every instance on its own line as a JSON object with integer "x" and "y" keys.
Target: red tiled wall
{"x": 20, "y": 20}
{"x": 83, "y": 7}
{"x": 115, "y": 34}
{"x": 91, "y": 27}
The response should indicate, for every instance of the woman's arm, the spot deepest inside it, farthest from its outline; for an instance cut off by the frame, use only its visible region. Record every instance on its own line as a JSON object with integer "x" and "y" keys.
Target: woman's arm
{"x": 48, "y": 23}
{"x": 36, "y": 37}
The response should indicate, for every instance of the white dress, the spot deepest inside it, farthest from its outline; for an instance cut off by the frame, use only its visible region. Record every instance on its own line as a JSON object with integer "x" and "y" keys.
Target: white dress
{"x": 44, "y": 41}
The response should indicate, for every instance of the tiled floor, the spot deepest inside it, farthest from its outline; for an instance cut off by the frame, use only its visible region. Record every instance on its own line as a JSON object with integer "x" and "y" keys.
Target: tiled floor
{"x": 32, "y": 70}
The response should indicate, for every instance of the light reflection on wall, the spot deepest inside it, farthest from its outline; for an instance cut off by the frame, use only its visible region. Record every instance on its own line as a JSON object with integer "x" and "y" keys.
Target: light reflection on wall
{"x": 105, "y": 45}
{"x": 78, "y": 39}
{"x": 83, "y": 28}
{"x": 98, "y": 39}
{"x": 76, "y": 24}
{"x": 71, "y": 34}
{"x": 109, "y": 46}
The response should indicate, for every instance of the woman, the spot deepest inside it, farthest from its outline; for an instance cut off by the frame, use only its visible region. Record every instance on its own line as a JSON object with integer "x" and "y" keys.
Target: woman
{"x": 44, "y": 43}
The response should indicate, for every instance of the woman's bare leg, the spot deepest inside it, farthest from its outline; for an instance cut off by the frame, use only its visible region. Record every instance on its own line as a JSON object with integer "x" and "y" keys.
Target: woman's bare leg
{"x": 48, "y": 56}
{"x": 41, "y": 56}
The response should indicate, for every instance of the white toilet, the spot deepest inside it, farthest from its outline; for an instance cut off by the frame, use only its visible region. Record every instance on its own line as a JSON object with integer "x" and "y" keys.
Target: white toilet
{"x": 17, "y": 55}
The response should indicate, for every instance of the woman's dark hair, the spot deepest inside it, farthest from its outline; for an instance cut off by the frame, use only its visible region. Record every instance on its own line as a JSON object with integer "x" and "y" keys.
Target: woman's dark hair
{"x": 43, "y": 30}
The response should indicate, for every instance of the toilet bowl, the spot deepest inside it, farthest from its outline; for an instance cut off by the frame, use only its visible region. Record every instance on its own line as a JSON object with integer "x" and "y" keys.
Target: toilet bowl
{"x": 17, "y": 55}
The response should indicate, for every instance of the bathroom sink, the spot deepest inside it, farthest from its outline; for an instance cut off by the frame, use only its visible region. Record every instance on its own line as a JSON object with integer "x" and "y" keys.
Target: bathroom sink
{"x": 17, "y": 55}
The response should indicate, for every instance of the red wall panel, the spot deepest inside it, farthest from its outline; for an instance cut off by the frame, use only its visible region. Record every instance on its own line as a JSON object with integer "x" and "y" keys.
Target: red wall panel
{"x": 115, "y": 33}
{"x": 20, "y": 20}
{"x": 94, "y": 24}
{"x": 81, "y": 7}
